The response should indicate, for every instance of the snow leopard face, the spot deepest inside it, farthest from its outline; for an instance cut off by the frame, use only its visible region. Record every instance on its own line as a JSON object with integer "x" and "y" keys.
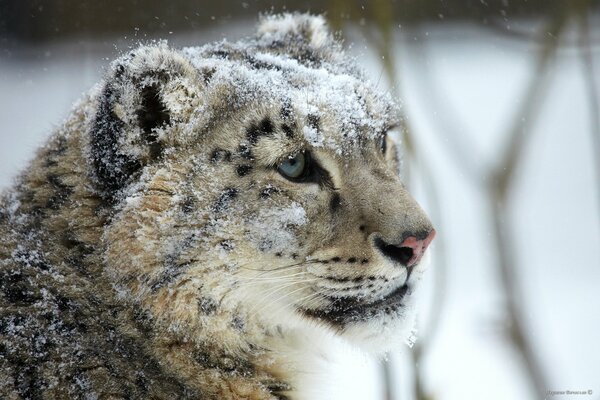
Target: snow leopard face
{"x": 253, "y": 186}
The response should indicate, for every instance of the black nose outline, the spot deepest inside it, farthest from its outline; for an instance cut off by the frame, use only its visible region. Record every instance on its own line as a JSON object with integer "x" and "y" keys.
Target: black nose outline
{"x": 410, "y": 249}
{"x": 401, "y": 255}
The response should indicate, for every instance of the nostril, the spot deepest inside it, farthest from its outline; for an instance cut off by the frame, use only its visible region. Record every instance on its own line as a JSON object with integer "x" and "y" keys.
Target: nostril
{"x": 409, "y": 252}
{"x": 399, "y": 254}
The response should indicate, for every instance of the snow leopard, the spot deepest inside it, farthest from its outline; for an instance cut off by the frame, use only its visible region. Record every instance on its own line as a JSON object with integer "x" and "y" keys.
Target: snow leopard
{"x": 207, "y": 222}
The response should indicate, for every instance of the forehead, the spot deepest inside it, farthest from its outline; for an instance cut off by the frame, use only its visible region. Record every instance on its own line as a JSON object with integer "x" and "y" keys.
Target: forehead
{"x": 334, "y": 106}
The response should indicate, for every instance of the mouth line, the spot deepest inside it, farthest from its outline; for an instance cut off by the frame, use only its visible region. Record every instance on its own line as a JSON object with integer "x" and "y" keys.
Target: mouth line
{"x": 344, "y": 310}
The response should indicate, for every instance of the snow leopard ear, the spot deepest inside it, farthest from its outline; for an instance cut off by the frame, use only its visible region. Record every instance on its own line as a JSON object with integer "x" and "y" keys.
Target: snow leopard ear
{"x": 136, "y": 110}
{"x": 305, "y": 37}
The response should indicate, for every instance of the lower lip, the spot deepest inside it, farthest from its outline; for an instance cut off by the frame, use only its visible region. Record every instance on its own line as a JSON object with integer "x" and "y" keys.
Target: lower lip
{"x": 343, "y": 311}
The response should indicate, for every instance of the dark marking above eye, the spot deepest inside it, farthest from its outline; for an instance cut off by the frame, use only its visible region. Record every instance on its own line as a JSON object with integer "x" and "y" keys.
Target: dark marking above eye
{"x": 287, "y": 129}
{"x": 266, "y": 126}
{"x": 255, "y": 131}
{"x": 243, "y": 170}
{"x": 313, "y": 121}
{"x": 224, "y": 199}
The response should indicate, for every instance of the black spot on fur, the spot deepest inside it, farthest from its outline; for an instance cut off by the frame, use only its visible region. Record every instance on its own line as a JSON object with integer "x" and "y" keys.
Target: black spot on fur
{"x": 227, "y": 245}
{"x": 275, "y": 388}
{"x": 287, "y": 129}
{"x": 268, "y": 191}
{"x": 224, "y": 199}
{"x": 286, "y": 110}
{"x": 314, "y": 121}
{"x": 223, "y": 54}
{"x": 255, "y": 131}
{"x": 335, "y": 202}
{"x": 61, "y": 192}
{"x": 188, "y": 205}
{"x": 151, "y": 115}
{"x": 352, "y": 260}
{"x": 220, "y": 155}
{"x": 245, "y": 152}
{"x": 119, "y": 71}
{"x": 335, "y": 259}
{"x": 16, "y": 289}
{"x": 31, "y": 259}
{"x": 207, "y": 306}
{"x": 223, "y": 362}
{"x": 207, "y": 74}
{"x": 56, "y": 149}
{"x": 259, "y": 64}
{"x": 238, "y": 323}
{"x": 173, "y": 265}
{"x": 364, "y": 261}
{"x": 243, "y": 170}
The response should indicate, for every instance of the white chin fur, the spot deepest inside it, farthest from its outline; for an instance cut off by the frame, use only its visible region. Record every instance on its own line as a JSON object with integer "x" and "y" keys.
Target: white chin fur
{"x": 381, "y": 335}
{"x": 384, "y": 334}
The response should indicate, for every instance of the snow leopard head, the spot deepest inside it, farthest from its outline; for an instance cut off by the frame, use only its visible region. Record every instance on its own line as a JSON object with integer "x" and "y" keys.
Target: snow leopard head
{"x": 253, "y": 186}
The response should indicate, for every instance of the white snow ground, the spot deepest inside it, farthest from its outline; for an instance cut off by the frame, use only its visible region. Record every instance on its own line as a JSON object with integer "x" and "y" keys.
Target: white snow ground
{"x": 480, "y": 79}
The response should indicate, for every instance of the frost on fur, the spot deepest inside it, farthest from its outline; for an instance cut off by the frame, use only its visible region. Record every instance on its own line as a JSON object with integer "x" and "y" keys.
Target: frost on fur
{"x": 155, "y": 248}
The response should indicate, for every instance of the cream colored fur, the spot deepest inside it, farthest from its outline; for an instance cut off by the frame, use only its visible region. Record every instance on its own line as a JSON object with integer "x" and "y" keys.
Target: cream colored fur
{"x": 183, "y": 262}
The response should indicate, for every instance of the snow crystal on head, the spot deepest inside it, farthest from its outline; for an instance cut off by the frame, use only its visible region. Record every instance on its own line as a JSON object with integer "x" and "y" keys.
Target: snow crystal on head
{"x": 250, "y": 72}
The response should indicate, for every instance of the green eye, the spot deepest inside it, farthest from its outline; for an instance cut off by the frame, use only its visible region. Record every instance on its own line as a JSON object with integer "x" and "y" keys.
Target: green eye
{"x": 294, "y": 166}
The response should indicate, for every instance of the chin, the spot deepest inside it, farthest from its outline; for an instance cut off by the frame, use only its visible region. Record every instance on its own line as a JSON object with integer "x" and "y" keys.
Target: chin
{"x": 384, "y": 332}
{"x": 374, "y": 328}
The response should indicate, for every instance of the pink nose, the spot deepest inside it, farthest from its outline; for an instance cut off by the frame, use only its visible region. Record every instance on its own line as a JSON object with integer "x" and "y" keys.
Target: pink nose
{"x": 418, "y": 247}
{"x": 407, "y": 253}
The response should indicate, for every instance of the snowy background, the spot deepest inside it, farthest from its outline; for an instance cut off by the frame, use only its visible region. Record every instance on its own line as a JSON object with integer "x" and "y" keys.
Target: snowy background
{"x": 455, "y": 80}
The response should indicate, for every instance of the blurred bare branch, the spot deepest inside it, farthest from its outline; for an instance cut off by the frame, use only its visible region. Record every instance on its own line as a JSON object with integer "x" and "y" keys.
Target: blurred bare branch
{"x": 587, "y": 59}
{"x": 499, "y": 178}
{"x": 503, "y": 178}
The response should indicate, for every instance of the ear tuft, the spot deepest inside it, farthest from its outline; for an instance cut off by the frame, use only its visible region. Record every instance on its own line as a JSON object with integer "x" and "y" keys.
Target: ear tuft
{"x": 311, "y": 29}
